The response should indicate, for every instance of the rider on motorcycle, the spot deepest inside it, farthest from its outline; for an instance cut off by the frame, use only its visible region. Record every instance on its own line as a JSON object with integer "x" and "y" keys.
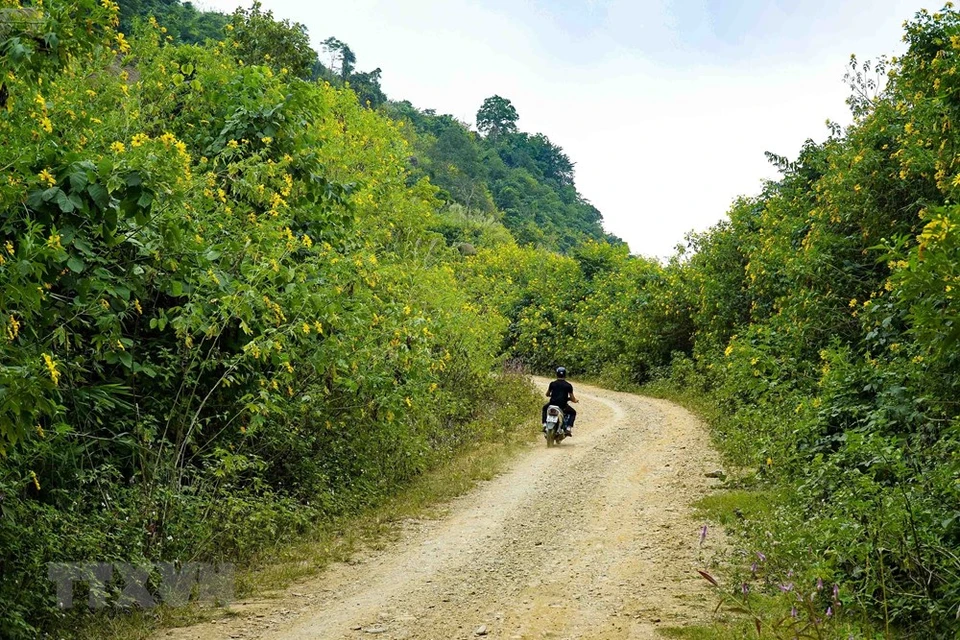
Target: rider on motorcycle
{"x": 561, "y": 394}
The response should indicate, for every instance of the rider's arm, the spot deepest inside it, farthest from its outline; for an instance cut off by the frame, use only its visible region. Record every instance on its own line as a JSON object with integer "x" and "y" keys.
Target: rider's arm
{"x": 573, "y": 398}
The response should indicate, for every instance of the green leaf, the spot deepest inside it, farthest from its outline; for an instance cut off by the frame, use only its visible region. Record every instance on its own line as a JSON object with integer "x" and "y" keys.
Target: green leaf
{"x": 99, "y": 194}
{"x": 126, "y": 359}
{"x": 83, "y": 246}
{"x": 65, "y": 203}
{"x": 110, "y": 219}
{"x": 176, "y": 288}
{"x": 75, "y": 264}
{"x": 78, "y": 180}
{"x": 77, "y": 201}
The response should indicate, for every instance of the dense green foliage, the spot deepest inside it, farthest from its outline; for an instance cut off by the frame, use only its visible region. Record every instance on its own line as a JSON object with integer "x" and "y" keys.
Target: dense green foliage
{"x": 182, "y": 21}
{"x": 224, "y": 314}
{"x": 523, "y": 181}
{"x": 235, "y": 299}
{"x": 820, "y": 321}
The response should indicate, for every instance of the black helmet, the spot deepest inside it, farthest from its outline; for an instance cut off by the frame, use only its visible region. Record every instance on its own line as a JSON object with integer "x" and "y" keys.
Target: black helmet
{"x": 561, "y": 372}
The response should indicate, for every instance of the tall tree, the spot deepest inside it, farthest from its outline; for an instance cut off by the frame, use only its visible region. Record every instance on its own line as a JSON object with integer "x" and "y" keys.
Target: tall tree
{"x": 261, "y": 39}
{"x": 341, "y": 57}
{"x": 497, "y": 116}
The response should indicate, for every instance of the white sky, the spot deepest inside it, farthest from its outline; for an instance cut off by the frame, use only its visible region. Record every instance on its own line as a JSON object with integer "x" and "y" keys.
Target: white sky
{"x": 665, "y": 106}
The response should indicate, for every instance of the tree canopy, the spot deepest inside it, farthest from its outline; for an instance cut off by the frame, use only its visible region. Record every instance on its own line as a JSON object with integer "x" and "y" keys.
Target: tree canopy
{"x": 497, "y": 116}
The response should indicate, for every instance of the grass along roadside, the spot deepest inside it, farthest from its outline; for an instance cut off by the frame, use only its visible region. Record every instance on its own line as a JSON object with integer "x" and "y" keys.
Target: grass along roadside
{"x": 274, "y": 569}
{"x": 775, "y": 595}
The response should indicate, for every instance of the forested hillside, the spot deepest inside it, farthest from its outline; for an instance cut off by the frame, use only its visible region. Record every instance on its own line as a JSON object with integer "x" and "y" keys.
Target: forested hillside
{"x": 238, "y": 297}
{"x": 224, "y": 314}
{"x": 495, "y": 177}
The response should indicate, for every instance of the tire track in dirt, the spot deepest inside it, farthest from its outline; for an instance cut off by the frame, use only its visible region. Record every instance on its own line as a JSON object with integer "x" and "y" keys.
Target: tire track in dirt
{"x": 591, "y": 539}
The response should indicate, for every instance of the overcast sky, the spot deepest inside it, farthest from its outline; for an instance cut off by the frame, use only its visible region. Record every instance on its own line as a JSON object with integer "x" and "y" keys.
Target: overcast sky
{"x": 666, "y": 107}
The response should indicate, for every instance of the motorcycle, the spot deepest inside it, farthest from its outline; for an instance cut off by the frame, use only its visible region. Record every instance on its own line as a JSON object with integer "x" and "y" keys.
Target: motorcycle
{"x": 557, "y": 424}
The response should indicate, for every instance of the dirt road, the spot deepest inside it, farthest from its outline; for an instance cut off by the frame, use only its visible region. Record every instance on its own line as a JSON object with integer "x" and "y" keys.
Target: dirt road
{"x": 592, "y": 539}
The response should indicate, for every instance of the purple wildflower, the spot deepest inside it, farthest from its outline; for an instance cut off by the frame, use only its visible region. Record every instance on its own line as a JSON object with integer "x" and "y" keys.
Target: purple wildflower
{"x": 745, "y": 588}
{"x": 703, "y": 534}
{"x": 819, "y": 584}
{"x": 829, "y": 611}
{"x": 836, "y": 592}
{"x": 753, "y": 568}
{"x": 762, "y": 557}
{"x": 793, "y": 612}
{"x": 786, "y": 587}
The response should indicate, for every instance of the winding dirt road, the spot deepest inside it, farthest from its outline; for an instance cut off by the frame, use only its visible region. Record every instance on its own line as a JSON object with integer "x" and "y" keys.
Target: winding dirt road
{"x": 593, "y": 539}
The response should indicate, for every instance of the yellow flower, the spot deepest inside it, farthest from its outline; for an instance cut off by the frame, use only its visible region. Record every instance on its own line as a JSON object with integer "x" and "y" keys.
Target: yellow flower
{"x": 136, "y": 305}
{"x": 9, "y": 247}
{"x": 122, "y": 43}
{"x": 266, "y": 140}
{"x": 40, "y": 432}
{"x": 54, "y": 241}
{"x": 117, "y": 147}
{"x": 51, "y": 365}
{"x": 232, "y": 144}
{"x": 306, "y": 328}
{"x": 13, "y": 328}
{"x": 36, "y": 482}
{"x": 47, "y": 178}
{"x": 46, "y": 125}
{"x": 853, "y": 302}
{"x": 139, "y": 139}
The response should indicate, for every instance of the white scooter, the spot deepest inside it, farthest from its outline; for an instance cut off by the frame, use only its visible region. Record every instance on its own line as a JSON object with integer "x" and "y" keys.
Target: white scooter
{"x": 557, "y": 425}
